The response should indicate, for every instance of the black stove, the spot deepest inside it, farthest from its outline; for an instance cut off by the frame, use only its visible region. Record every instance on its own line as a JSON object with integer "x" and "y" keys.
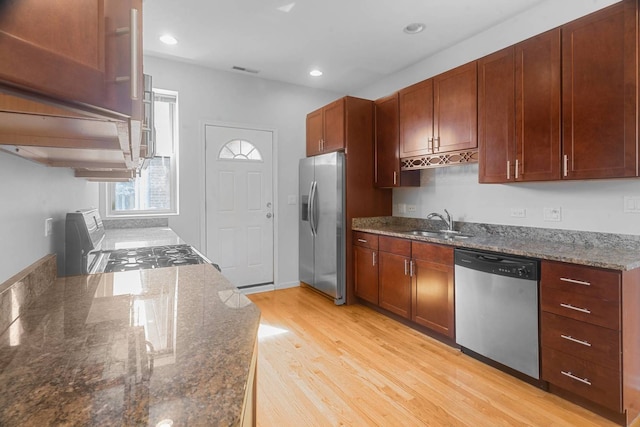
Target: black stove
{"x": 152, "y": 257}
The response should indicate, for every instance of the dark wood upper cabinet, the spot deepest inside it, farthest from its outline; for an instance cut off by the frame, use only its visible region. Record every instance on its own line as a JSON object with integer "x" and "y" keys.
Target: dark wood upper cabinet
{"x": 519, "y": 111}
{"x": 455, "y": 109}
{"x": 326, "y": 128}
{"x": 387, "y": 146}
{"x": 599, "y": 94}
{"x": 439, "y": 115}
{"x": 416, "y": 119}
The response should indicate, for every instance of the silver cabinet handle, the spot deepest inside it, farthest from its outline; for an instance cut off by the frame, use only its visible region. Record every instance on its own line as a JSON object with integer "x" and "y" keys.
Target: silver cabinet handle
{"x": 411, "y": 268}
{"x": 134, "y": 53}
{"x": 362, "y": 241}
{"x": 516, "y": 168}
{"x": 566, "y": 165}
{"x": 406, "y": 268}
{"x": 374, "y": 258}
{"x": 573, "y": 377}
{"x": 395, "y": 177}
{"x": 572, "y": 339}
{"x": 573, "y": 307}
{"x": 430, "y": 145}
{"x": 577, "y": 282}
{"x": 132, "y": 30}
{"x": 508, "y": 170}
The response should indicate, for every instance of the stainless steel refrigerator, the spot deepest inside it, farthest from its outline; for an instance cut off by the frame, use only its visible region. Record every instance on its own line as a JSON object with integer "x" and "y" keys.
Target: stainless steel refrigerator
{"x": 322, "y": 224}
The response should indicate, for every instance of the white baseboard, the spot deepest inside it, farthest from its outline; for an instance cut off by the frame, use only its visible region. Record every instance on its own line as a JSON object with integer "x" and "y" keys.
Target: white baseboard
{"x": 287, "y": 285}
{"x": 269, "y": 287}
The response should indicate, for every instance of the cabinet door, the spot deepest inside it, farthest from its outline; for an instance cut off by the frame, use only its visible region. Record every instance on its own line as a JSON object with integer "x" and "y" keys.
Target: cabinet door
{"x": 54, "y": 48}
{"x": 455, "y": 109}
{"x": 123, "y": 57}
{"x": 496, "y": 117}
{"x": 334, "y": 126}
{"x": 538, "y": 108}
{"x": 433, "y": 287}
{"x": 395, "y": 283}
{"x": 366, "y": 273}
{"x": 416, "y": 119}
{"x": 387, "y": 140}
{"x": 314, "y": 132}
{"x": 387, "y": 146}
{"x": 599, "y": 82}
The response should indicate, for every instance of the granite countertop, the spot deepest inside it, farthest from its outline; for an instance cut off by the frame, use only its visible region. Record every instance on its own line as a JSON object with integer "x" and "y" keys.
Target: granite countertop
{"x": 127, "y": 238}
{"x": 616, "y": 252}
{"x": 131, "y": 348}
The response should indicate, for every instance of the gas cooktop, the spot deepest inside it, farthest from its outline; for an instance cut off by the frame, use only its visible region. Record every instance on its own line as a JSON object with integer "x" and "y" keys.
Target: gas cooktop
{"x": 152, "y": 257}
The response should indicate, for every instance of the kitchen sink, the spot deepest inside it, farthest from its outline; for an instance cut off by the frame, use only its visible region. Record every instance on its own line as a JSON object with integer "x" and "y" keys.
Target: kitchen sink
{"x": 442, "y": 234}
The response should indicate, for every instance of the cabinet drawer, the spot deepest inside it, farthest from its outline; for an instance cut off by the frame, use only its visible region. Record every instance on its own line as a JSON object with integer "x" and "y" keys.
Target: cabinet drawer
{"x": 593, "y": 282}
{"x": 366, "y": 240}
{"x": 395, "y": 245}
{"x": 587, "y": 379}
{"x": 590, "y": 342}
{"x": 580, "y": 307}
{"x": 433, "y": 253}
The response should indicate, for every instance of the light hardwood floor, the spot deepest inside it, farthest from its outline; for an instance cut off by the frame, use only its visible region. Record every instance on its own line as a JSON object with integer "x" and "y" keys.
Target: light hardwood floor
{"x": 351, "y": 366}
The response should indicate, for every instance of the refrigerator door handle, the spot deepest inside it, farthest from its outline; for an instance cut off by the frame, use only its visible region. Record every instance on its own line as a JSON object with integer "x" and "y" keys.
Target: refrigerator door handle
{"x": 312, "y": 207}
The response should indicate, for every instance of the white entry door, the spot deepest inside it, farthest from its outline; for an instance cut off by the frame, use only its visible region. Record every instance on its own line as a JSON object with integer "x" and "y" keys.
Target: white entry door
{"x": 239, "y": 203}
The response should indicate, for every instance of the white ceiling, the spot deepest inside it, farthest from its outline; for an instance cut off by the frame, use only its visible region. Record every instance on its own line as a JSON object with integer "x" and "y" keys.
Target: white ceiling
{"x": 354, "y": 42}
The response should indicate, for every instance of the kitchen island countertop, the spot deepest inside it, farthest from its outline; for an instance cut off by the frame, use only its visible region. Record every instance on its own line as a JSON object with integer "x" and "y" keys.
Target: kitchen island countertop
{"x": 134, "y": 348}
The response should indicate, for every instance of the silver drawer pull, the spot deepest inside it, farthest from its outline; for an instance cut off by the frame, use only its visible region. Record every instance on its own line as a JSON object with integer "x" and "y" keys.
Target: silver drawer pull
{"x": 572, "y": 307}
{"x": 573, "y": 377}
{"x": 362, "y": 241}
{"x": 577, "y": 282}
{"x": 570, "y": 338}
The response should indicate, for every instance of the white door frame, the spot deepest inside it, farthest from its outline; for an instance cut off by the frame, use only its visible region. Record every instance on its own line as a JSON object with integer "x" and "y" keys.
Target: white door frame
{"x": 274, "y": 178}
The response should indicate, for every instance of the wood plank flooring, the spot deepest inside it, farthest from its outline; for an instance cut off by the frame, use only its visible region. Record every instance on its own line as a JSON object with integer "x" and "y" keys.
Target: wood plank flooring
{"x": 351, "y": 366}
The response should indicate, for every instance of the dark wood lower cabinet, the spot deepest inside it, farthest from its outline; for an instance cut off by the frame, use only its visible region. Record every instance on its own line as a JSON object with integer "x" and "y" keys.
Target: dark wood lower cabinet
{"x": 395, "y": 283}
{"x": 366, "y": 273}
{"x": 433, "y": 296}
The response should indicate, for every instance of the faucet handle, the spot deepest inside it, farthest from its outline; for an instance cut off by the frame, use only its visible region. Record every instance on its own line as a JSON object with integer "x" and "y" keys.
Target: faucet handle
{"x": 449, "y": 219}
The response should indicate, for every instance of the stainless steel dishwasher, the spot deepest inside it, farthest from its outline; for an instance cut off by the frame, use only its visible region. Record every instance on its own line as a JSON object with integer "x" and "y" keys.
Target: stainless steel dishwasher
{"x": 496, "y": 301}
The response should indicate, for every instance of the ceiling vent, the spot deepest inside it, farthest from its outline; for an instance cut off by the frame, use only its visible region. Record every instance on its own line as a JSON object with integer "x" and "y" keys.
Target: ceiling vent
{"x": 246, "y": 70}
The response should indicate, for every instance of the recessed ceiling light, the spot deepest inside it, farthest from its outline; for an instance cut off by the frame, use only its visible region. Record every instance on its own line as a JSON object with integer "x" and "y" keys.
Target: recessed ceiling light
{"x": 168, "y": 39}
{"x": 315, "y": 73}
{"x": 414, "y": 28}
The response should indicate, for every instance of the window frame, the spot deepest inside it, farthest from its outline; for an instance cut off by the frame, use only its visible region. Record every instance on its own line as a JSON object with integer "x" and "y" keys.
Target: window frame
{"x": 109, "y": 187}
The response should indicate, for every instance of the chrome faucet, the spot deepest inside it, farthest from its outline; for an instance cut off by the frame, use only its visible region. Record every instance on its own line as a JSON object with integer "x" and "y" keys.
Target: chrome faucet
{"x": 448, "y": 220}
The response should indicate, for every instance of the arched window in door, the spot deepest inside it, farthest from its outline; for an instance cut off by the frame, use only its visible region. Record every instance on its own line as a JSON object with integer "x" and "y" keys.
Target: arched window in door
{"x": 239, "y": 149}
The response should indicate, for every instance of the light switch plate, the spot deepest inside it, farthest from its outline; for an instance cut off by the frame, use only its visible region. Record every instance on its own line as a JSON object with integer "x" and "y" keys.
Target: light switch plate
{"x": 552, "y": 214}
{"x": 518, "y": 212}
{"x": 631, "y": 204}
{"x": 48, "y": 227}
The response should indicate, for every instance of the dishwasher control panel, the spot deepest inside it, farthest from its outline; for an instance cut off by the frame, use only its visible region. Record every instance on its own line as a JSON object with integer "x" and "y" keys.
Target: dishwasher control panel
{"x": 522, "y": 268}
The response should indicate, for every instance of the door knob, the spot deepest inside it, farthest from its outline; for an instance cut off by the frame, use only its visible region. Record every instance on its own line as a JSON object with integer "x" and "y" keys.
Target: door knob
{"x": 269, "y": 215}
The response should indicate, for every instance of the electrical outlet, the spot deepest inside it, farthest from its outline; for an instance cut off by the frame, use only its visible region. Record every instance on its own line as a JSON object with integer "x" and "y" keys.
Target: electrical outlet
{"x": 518, "y": 212}
{"x": 48, "y": 227}
{"x": 411, "y": 208}
{"x": 552, "y": 214}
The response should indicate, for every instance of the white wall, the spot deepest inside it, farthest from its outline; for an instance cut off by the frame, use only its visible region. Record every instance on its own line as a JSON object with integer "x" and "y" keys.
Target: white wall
{"x": 207, "y": 95}
{"x": 29, "y": 193}
{"x": 595, "y": 205}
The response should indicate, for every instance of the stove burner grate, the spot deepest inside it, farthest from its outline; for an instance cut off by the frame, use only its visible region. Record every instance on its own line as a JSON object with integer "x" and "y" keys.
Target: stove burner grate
{"x": 152, "y": 257}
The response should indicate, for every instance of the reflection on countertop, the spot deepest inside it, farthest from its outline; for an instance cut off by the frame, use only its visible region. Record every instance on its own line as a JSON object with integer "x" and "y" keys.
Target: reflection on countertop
{"x": 131, "y": 348}
{"x": 127, "y": 238}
